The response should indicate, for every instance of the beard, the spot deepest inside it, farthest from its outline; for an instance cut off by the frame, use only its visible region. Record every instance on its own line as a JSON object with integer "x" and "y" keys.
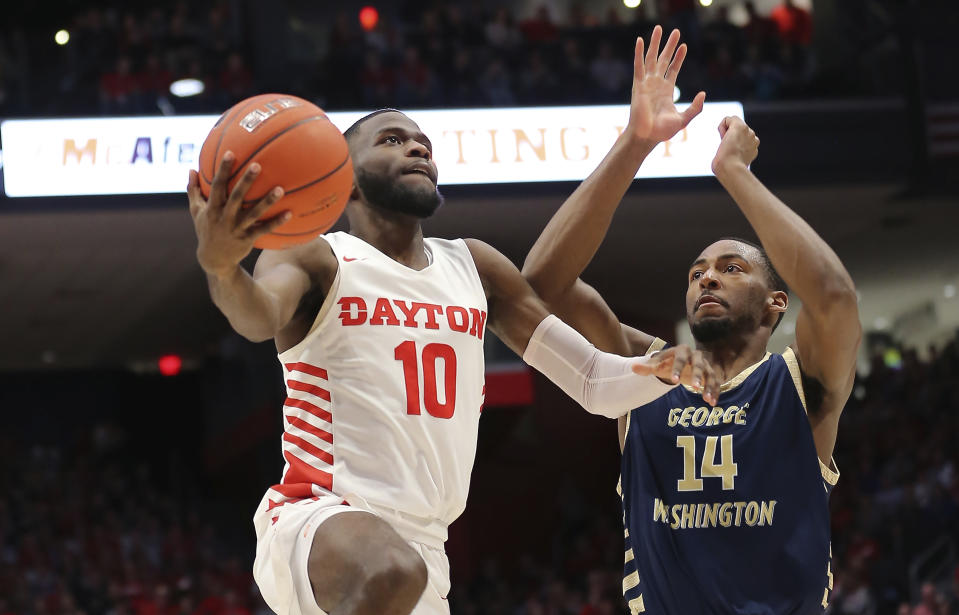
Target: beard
{"x": 711, "y": 331}
{"x": 398, "y": 197}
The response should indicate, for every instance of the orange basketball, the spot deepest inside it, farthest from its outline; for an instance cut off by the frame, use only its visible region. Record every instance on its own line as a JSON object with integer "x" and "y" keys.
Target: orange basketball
{"x": 298, "y": 149}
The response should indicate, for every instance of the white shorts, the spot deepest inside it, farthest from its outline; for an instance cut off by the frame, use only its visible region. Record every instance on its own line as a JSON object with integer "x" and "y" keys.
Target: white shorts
{"x": 283, "y": 550}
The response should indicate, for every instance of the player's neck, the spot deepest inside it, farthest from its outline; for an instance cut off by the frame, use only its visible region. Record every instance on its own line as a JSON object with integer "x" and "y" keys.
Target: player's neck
{"x": 734, "y": 354}
{"x": 396, "y": 235}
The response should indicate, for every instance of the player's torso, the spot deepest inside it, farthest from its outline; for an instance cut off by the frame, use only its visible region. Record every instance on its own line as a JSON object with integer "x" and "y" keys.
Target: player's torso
{"x": 726, "y": 509}
{"x": 384, "y": 393}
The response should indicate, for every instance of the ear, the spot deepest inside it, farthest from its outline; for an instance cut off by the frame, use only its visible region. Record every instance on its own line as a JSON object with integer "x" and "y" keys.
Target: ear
{"x": 777, "y": 301}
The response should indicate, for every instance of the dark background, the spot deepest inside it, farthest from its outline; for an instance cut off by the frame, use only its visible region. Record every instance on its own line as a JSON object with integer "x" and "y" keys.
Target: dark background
{"x": 122, "y": 490}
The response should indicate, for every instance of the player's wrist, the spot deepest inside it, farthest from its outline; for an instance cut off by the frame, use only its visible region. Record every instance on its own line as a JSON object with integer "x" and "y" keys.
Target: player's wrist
{"x": 221, "y": 272}
{"x": 637, "y": 145}
{"x": 729, "y": 168}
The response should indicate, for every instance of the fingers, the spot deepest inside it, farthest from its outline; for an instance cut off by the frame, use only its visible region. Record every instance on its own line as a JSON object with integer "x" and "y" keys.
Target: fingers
{"x": 249, "y": 216}
{"x": 265, "y": 226}
{"x": 666, "y": 56}
{"x": 653, "y": 49}
{"x": 694, "y": 109}
{"x": 682, "y": 356}
{"x": 240, "y": 189}
{"x": 723, "y": 127}
{"x": 220, "y": 180}
{"x": 673, "y": 71}
{"x": 639, "y": 71}
{"x": 193, "y": 193}
{"x": 703, "y": 378}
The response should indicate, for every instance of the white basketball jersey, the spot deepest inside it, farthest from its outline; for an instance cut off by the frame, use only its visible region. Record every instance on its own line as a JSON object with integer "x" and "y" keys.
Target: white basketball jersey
{"x": 384, "y": 393}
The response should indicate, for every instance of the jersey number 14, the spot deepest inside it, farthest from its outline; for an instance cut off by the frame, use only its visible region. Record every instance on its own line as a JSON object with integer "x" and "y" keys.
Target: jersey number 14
{"x": 727, "y": 469}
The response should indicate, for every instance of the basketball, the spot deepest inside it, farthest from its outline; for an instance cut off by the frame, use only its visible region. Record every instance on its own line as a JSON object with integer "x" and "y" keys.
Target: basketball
{"x": 298, "y": 149}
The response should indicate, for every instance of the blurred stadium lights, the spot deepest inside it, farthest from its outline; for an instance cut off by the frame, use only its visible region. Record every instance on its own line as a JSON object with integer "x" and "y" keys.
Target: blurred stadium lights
{"x": 369, "y": 17}
{"x": 706, "y": 2}
{"x": 186, "y": 87}
{"x": 62, "y": 37}
{"x": 631, "y": 4}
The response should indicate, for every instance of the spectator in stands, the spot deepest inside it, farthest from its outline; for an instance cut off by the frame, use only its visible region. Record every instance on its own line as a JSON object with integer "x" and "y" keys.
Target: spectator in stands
{"x": 236, "y": 80}
{"x": 540, "y": 27}
{"x": 154, "y": 80}
{"x": 496, "y": 86}
{"x": 793, "y": 23}
{"x": 501, "y": 32}
{"x": 537, "y": 80}
{"x": 119, "y": 88}
{"x": 610, "y": 74}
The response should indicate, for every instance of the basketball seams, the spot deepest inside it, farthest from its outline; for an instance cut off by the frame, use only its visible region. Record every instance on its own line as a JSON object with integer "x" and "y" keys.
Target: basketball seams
{"x": 250, "y": 201}
{"x": 273, "y": 138}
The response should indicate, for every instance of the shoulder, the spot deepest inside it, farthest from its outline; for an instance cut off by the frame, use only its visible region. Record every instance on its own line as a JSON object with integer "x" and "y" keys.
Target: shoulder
{"x": 315, "y": 258}
{"x": 490, "y": 262}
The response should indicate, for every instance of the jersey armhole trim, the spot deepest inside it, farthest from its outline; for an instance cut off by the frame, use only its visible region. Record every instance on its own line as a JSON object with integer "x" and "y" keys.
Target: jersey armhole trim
{"x": 830, "y": 473}
{"x": 656, "y": 345}
{"x": 325, "y": 309}
{"x": 792, "y": 363}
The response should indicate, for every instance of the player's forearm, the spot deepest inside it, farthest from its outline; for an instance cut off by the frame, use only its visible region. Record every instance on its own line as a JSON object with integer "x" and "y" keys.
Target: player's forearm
{"x": 808, "y": 265}
{"x": 570, "y": 240}
{"x": 602, "y": 383}
{"x": 251, "y": 310}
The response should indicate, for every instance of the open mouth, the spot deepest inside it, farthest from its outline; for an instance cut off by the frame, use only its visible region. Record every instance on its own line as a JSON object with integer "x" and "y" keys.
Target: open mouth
{"x": 709, "y": 300}
{"x": 421, "y": 171}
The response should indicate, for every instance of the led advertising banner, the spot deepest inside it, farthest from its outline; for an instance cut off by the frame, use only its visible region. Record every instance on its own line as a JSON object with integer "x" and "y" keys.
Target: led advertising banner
{"x": 151, "y": 155}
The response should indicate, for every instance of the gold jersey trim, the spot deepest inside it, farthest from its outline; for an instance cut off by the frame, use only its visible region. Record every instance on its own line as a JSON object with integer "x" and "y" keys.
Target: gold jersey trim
{"x": 738, "y": 379}
{"x": 636, "y": 606}
{"x": 830, "y": 473}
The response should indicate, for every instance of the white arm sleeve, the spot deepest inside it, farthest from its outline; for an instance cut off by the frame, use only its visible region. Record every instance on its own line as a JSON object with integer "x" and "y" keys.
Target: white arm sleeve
{"x": 602, "y": 383}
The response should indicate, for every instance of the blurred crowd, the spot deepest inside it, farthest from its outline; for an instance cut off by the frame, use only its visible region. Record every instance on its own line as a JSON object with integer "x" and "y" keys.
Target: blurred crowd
{"x": 121, "y": 60}
{"x": 89, "y": 527}
{"x": 462, "y": 55}
{"x": 898, "y": 496}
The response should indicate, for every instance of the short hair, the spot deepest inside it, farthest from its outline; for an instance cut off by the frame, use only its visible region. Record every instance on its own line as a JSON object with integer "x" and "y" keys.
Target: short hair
{"x": 355, "y": 128}
{"x": 773, "y": 279}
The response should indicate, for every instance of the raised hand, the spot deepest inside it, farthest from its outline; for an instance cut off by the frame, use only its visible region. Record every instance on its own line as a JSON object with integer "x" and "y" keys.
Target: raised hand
{"x": 652, "y": 114}
{"x": 738, "y": 145}
{"x": 225, "y": 229}
{"x": 682, "y": 365}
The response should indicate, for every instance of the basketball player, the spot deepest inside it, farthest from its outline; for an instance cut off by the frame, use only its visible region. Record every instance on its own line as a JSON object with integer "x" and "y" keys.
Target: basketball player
{"x": 725, "y": 504}
{"x": 380, "y": 335}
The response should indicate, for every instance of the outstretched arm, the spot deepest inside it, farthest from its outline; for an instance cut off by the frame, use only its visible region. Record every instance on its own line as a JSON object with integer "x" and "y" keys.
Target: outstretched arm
{"x": 827, "y": 327}
{"x": 569, "y": 241}
{"x": 256, "y": 308}
{"x": 603, "y": 383}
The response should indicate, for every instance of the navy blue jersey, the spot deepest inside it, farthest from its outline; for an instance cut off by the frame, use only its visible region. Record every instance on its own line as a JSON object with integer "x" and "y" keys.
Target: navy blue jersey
{"x": 726, "y": 508}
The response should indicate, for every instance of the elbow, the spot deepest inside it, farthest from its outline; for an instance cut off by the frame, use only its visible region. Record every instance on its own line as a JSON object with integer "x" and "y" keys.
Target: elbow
{"x": 841, "y": 306}
{"x": 255, "y": 334}
{"x": 547, "y": 292}
{"x": 841, "y": 295}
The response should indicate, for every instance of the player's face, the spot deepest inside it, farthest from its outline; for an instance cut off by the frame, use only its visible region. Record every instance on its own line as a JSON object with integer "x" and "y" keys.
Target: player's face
{"x": 393, "y": 162}
{"x": 727, "y": 292}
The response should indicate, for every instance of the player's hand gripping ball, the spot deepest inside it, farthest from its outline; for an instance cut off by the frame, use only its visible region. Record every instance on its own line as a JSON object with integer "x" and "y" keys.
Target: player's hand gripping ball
{"x": 298, "y": 149}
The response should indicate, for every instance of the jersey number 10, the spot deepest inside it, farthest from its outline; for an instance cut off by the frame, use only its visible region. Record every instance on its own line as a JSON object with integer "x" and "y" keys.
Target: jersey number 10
{"x": 406, "y": 354}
